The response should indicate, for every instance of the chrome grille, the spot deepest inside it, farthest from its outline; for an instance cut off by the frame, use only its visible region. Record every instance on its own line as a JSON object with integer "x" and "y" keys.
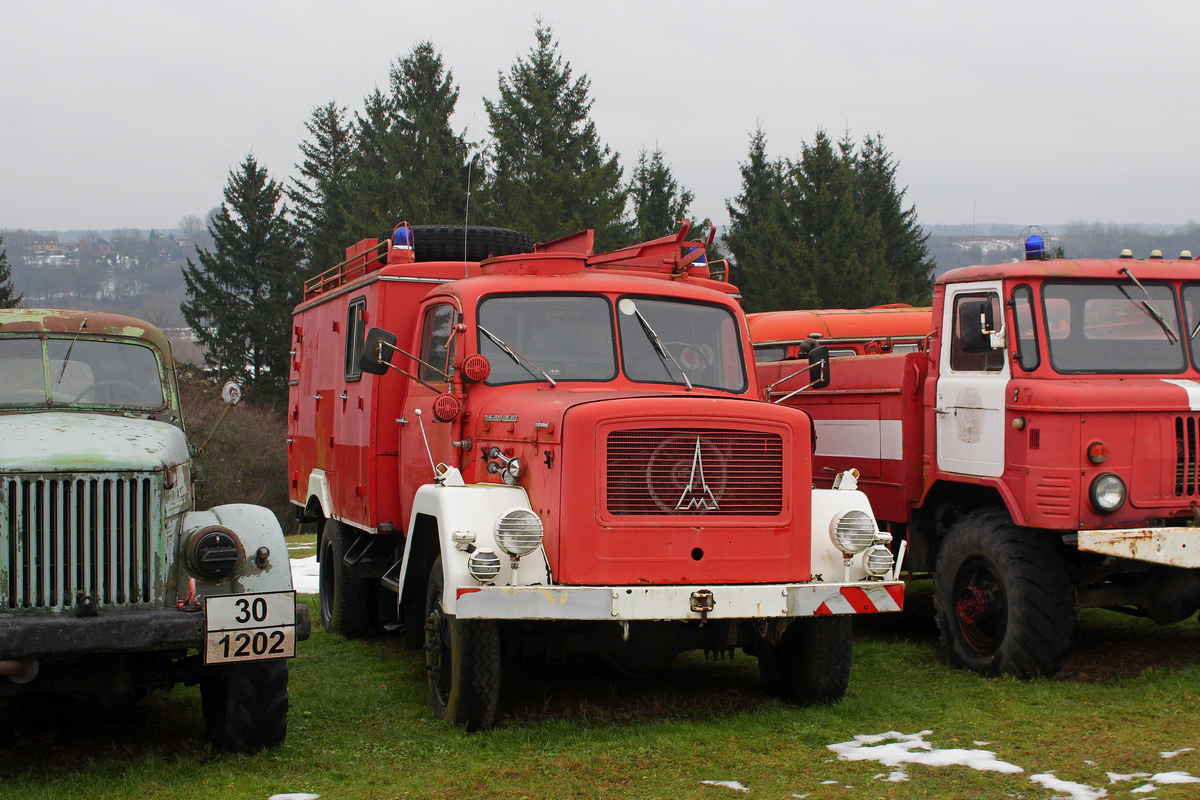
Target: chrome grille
{"x": 67, "y": 537}
{"x": 707, "y": 471}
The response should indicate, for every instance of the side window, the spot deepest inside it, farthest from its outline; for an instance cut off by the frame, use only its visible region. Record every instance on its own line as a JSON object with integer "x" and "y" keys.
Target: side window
{"x": 990, "y": 360}
{"x": 356, "y": 334}
{"x": 437, "y": 343}
{"x": 1026, "y": 333}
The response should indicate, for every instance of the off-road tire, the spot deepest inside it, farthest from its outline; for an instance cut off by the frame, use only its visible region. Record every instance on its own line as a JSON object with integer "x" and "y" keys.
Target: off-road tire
{"x": 1002, "y": 597}
{"x": 345, "y": 599}
{"x": 447, "y": 242}
{"x": 245, "y": 705}
{"x": 811, "y": 662}
{"x": 462, "y": 660}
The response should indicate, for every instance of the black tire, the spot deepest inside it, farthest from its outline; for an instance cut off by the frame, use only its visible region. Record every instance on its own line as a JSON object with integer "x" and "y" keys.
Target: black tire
{"x": 462, "y": 659}
{"x": 1002, "y": 597}
{"x": 344, "y": 598}
{"x": 245, "y": 705}
{"x": 472, "y": 243}
{"x": 811, "y": 662}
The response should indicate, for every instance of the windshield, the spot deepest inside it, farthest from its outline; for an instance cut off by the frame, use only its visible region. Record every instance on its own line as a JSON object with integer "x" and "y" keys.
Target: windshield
{"x": 1113, "y": 327}
{"x": 568, "y": 337}
{"x": 79, "y": 371}
{"x": 699, "y": 341}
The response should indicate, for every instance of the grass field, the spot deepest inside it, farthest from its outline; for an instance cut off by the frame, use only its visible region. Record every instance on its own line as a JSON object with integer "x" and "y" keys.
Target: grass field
{"x": 360, "y": 728}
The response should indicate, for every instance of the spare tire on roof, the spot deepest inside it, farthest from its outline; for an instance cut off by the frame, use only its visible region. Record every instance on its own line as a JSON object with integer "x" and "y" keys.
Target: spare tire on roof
{"x": 469, "y": 243}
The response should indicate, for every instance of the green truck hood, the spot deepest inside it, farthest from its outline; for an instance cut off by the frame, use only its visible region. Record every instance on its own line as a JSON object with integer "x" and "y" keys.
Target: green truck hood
{"x": 75, "y": 442}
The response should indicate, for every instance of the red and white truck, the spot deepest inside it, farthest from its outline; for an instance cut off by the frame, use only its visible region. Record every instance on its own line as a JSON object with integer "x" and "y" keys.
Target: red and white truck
{"x": 1040, "y": 454}
{"x": 544, "y": 454}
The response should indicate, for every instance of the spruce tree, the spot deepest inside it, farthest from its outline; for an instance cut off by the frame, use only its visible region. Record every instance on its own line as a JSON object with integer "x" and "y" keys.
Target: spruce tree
{"x": 905, "y": 243}
{"x": 761, "y": 238}
{"x": 8, "y": 296}
{"x": 408, "y": 163}
{"x": 240, "y": 296}
{"x": 320, "y": 197}
{"x": 549, "y": 174}
{"x": 659, "y": 204}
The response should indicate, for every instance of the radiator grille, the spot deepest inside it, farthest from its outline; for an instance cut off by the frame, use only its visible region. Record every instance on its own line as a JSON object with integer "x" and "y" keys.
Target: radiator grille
{"x": 82, "y": 535}
{"x": 708, "y": 471}
{"x": 1185, "y": 456}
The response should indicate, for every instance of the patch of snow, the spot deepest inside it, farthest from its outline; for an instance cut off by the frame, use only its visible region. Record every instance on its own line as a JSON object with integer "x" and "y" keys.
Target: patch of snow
{"x": 1146, "y": 789}
{"x": 893, "y": 749}
{"x": 829, "y": 783}
{"x": 981, "y": 744}
{"x": 305, "y": 580}
{"x": 1173, "y": 753}
{"x": 728, "y": 785}
{"x": 1174, "y": 777}
{"x": 1113, "y": 777}
{"x": 295, "y": 796}
{"x": 1076, "y": 791}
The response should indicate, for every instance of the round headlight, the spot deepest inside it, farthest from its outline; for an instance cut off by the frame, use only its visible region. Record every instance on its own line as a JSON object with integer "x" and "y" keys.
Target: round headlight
{"x": 518, "y": 532}
{"x": 484, "y": 565}
{"x": 1107, "y": 493}
{"x": 215, "y": 553}
{"x": 852, "y": 531}
{"x": 878, "y": 560}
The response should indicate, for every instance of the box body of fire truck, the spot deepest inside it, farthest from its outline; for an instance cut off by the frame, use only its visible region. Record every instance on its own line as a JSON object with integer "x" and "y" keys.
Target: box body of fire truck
{"x": 560, "y": 453}
{"x": 1040, "y": 453}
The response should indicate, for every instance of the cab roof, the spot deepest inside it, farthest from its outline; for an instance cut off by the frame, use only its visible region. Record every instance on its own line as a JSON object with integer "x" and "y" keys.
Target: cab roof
{"x": 70, "y": 321}
{"x": 1155, "y": 269}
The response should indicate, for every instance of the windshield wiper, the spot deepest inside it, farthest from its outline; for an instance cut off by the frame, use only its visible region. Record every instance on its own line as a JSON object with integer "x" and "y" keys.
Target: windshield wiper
{"x": 1148, "y": 305}
{"x": 530, "y": 367}
{"x": 67, "y": 357}
{"x": 663, "y": 351}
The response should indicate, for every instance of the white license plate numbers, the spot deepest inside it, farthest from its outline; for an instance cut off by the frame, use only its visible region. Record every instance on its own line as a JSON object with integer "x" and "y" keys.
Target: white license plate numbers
{"x": 250, "y": 627}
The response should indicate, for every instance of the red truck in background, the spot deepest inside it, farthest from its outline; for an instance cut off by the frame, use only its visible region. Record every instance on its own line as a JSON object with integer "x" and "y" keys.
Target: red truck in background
{"x": 1039, "y": 455}
{"x": 783, "y": 335}
{"x": 543, "y": 454}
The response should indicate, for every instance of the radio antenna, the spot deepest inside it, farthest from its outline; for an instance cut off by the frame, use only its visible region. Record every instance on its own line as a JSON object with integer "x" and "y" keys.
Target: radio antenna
{"x": 467, "y": 215}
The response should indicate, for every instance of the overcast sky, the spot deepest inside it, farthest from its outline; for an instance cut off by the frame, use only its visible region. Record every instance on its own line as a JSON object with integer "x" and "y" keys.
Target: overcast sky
{"x": 131, "y": 114}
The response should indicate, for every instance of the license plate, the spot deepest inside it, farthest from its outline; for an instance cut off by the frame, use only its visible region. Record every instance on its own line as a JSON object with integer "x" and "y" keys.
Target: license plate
{"x": 250, "y": 627}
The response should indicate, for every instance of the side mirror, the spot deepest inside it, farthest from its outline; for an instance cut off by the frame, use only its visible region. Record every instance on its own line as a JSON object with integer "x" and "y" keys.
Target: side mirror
{"x": 975, "y": 326}
{"x": 377, "y": 351}
{"x": 818, "y": 367}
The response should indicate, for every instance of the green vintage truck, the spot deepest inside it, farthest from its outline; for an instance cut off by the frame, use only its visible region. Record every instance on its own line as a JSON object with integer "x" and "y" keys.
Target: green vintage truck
{"x": 111, "y": 583}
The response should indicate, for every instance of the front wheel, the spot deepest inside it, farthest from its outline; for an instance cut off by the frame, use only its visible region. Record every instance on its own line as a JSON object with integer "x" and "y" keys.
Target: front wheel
{"x": 245, "y": 705}
{"x": 462, "y": 659}
{"x": 1002, "y": 597}
{"x": 811, "y": 662}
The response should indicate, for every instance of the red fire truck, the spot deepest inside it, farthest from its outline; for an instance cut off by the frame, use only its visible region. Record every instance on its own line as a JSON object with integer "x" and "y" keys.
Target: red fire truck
{"x": 553, "y": 453}
{"x": 782, "y": 335}
{"x": 1040, "y": 454}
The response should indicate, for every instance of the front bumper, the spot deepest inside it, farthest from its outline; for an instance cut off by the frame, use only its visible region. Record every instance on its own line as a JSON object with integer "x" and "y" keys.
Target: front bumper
{"x": 112, "y": 632}
{"x": 629, "y": 603}
{"x": 1174, "y": 547}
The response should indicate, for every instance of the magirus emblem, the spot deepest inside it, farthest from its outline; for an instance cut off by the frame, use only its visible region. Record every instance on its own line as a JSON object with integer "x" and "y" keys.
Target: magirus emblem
{"x": 697, "y": 494}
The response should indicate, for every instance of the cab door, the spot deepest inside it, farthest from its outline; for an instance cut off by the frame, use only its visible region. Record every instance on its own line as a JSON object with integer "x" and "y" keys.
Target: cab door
{"x": 435, "y": 345}
{"x": 971, "y": 389}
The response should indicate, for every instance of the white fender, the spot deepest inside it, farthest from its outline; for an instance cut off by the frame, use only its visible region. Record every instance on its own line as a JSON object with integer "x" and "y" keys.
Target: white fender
{"x": 826, "y": 558}
{"x": 318, "y": 487}
{"x": 255, "y": 527}
{"x": 474, "y": 509}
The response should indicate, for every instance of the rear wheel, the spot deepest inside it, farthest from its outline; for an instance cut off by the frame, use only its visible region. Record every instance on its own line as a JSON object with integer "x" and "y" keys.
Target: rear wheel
{"x": 469, "y": 243}
{"x": 462, "y": 659}
{"x": 1002, "y": 597}
{"x": 811, "y": 662}
{"x": 245, "y": 705}
{"x": 344, "y": 598}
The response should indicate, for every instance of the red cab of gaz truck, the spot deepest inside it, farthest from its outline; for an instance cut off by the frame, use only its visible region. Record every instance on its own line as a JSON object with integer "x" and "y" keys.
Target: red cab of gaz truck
{"x": 554, "y": 453}
{"x": 1039, "y": 455}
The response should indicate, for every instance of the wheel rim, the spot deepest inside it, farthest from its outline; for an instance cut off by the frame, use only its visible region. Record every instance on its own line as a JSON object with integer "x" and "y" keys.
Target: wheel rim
{"x": 437, "y": 651}
{"x": 980, "y": 606}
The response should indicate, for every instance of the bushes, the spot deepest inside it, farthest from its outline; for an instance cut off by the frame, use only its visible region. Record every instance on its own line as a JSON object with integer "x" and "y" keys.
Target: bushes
{"x": 246, "y": 459}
